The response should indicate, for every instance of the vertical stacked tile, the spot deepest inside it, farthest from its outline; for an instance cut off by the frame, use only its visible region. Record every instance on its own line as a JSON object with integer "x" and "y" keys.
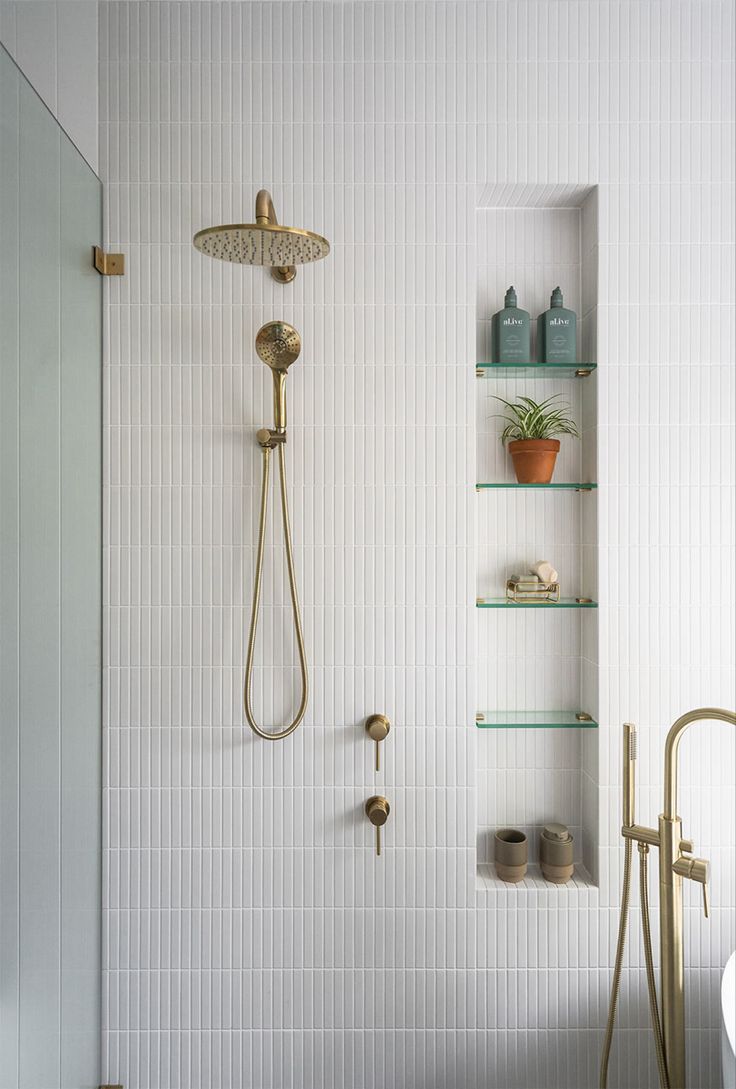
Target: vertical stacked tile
{"x": 252, "y": 935}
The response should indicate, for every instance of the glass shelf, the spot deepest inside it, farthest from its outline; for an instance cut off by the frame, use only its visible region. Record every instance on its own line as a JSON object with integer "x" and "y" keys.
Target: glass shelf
{"x": 580, "y": 487}
{"x": 564, "y": 603}
{"x": 534, "y": 370}
{"x": 533, "y": 720}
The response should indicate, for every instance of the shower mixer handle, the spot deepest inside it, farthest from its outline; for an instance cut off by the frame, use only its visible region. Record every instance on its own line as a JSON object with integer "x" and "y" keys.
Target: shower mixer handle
{"x": 695, "y": 869}
{"x": 377, "y": 727}
{"x": 377, "y": 810}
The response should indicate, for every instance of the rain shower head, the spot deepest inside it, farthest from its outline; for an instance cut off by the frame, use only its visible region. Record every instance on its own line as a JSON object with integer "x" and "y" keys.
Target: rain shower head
{"x": 264, "y": 242}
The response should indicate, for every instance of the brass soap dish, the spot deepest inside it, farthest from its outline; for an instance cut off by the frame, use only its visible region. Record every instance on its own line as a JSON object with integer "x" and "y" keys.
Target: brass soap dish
{"x": 530, "y": 588}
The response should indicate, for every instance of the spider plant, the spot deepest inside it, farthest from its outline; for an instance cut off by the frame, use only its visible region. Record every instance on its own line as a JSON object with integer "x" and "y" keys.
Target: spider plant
{"x": 528, "y": 419}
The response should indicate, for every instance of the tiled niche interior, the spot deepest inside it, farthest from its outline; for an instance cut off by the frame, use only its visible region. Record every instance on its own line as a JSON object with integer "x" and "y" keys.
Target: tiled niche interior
{"x": 532, "y": 661}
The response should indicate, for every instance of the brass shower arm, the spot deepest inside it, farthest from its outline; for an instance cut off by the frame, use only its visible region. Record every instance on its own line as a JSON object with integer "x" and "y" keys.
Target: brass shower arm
{"x": 672, "y": 744}
{"x": 266, "y": 217}
{"x": 265, "y": 211}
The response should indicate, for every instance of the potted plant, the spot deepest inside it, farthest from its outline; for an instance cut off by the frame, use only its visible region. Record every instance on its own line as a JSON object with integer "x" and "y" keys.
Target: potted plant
{"x": 529, "y": 431}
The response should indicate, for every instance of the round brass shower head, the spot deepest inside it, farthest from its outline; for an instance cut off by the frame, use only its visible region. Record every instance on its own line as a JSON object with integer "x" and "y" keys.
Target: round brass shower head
{"x": 278, "y": 344}
{"x": 264, "y": 242}
{"x": 261, "y": 244}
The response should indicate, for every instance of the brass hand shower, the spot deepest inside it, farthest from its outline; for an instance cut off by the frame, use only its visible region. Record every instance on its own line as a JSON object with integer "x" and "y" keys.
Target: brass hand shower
{"x": 278, "y": 248}
{"x": 278, "y": 345}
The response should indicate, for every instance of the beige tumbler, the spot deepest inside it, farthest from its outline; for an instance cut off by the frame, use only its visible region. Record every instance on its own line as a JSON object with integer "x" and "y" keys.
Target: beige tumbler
{"x": 555, "y": 853}
{"x": 511, "y": 854}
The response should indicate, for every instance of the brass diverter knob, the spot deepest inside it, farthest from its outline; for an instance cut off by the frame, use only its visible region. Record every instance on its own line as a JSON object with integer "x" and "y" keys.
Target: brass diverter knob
{"x": 377, "y": 728}
{"x": 377, "y": 810}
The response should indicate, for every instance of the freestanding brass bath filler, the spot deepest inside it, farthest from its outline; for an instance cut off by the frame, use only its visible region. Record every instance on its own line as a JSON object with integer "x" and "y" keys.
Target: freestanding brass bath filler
{"x": 278, "y": 344}
{"x": 675, "y": 863}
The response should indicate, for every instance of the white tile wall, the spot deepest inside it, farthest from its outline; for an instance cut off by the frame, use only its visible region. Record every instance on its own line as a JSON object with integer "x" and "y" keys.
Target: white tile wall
{"x": 55, "y": 43}
{"x": 252, "y": 938}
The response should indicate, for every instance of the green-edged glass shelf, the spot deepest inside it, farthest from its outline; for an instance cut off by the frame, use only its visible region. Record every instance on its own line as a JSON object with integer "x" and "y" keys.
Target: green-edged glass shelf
{"x": 563, "y": 603}
{"x": 534, "y": 370}
{"x": 571, "y": 487}
{"x": 534, "y": 720}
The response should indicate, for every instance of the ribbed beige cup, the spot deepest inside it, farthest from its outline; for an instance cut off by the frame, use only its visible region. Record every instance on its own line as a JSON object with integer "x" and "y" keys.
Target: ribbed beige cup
{"x": 511, "y": 854}
{"x": 556, "y": 853}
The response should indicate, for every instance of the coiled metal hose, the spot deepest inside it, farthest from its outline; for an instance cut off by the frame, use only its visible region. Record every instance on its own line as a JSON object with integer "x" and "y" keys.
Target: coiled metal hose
{"x": 651, "y": 985}
{"x": 278, "y": 735}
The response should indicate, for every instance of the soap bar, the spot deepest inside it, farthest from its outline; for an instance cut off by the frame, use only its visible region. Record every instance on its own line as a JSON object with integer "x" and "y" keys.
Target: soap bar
{"x": 545, "y": 571}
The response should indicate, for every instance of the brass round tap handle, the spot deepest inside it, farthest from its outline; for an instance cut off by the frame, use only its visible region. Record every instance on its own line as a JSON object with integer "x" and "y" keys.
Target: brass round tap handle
{"x": 377, "y": 727}
{"x": 377, "y": 810}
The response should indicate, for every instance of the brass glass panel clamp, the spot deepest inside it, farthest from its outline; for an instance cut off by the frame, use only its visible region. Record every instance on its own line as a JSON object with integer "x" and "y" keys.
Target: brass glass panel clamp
{"x": 377, "y": 728}
{"x": 108, "y": 264}
{"x": 377, "y": 810}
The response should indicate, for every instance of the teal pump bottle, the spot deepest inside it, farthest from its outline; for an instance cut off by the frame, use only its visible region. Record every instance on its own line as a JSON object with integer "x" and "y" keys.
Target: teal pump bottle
{"x": 557, "y": 333}
{"x": 511, "y": 332}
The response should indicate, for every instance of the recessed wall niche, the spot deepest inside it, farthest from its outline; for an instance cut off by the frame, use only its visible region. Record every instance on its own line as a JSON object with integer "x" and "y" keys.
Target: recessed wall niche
{"x": 537, "y": 666}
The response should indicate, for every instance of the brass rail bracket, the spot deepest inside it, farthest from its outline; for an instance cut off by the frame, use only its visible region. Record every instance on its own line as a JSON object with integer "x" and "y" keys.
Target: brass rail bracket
{"x": 108, "y": 264}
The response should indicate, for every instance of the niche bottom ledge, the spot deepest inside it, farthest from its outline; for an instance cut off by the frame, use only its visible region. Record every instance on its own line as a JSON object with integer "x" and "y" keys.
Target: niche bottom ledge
{"x": 488, "y": 881}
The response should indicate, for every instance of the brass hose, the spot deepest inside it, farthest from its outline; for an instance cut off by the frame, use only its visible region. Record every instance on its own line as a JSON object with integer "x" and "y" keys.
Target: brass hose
{"x": 623, "y": 918}
{"x": 651, "y": 984}
{"x": 265, "y": 734}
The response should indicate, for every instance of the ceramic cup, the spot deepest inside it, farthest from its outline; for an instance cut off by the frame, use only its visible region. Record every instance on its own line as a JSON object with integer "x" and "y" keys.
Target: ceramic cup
{"x": 511, "y": 854}
{"x": 555, "y": 853}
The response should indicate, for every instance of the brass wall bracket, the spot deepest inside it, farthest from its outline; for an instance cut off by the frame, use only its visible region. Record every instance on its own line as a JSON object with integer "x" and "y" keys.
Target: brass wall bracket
{"x": 269, "y": 439}
{"x": 108, "y": 264}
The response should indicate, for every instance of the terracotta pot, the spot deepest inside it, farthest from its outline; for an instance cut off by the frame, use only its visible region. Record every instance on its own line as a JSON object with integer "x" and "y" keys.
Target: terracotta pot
{"x": 534, "y": 459}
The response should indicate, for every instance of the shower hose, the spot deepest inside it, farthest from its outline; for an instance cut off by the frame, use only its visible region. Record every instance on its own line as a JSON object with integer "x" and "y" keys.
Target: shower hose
{"x": 651, "y": 984}
{"x": 266, "y": 734}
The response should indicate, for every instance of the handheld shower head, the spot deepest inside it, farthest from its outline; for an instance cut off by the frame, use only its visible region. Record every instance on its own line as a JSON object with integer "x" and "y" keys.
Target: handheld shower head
{"x": 278, "y": 344}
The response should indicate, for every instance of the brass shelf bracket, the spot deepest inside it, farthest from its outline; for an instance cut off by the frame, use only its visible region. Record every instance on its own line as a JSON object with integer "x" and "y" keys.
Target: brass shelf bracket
{"x": 108, "y": 264}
